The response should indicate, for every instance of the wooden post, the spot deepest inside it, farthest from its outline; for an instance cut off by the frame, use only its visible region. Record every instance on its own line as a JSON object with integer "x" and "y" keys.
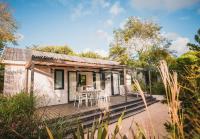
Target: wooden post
{"x": 125, "y": 87}
{"x": 149, "y": 81}
{"x": 32, "y": 81}
{"x": 26, "y": 86}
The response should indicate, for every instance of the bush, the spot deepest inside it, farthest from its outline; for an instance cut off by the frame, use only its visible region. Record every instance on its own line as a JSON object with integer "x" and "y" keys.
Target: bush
{"x": 17, "y": 118}
{"x": 157, "y": 88}
{"x": 188, "y": 66}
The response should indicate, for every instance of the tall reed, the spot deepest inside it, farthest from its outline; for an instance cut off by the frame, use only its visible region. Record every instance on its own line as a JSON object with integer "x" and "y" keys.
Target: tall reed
{"x": 142, "y": 94}
{"x": 172, "y": 89}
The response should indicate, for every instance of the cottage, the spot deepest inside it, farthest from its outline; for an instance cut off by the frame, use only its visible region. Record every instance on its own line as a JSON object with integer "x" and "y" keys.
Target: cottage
{"x": 55, "y": 78}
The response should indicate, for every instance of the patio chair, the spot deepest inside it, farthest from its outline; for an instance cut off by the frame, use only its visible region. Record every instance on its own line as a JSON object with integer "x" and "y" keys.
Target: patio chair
{"x": 103, "y": 96}
{"x": 79, "y": 96}
{"x": 92, "y": 97}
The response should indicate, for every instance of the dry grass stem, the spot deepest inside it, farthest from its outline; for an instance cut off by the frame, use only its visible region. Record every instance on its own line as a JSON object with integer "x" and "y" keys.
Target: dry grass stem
{"x": 172, "y": 89}
{"x": 137, "y": 85}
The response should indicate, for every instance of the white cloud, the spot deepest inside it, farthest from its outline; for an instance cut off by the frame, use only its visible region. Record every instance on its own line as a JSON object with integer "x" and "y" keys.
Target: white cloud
{"x": 168, "y": 5}
{"x": 108, "y": 23}
{"x": 178, "y": 44}
{"x": 101, "y": 52}
{"x": 102, "y": 3}
{"x": 116, "y": 9}
{"x": 19, "y": 36}
{"x": 171, "y": 35}
{"x": 104, "y": 35}
{"x": 79, "y": 11}
{"x": 121, "y": 25}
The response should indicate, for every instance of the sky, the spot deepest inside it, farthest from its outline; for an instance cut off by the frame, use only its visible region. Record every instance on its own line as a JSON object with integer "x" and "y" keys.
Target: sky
{"x": 86, "y": 25}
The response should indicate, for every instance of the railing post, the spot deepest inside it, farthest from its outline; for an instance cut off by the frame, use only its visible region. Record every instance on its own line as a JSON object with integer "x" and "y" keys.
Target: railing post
{"x": 125, "y": 87}
{"x": 26, "y": 86}
{"x": 150, "y": 81}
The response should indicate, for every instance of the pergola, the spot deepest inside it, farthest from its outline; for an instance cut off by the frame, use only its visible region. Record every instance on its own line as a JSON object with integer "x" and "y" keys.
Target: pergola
{"x": 60, "y": 60}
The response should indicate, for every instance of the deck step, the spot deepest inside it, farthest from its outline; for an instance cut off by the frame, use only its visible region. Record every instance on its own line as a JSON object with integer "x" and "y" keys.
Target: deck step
{"x": 130, "y": 108}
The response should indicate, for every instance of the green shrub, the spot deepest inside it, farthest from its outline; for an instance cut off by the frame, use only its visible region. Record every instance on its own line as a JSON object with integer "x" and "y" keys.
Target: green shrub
{"x": 1, "y": 77}
{"x": 157, "y": 88}
{"x": 17, "y": 118}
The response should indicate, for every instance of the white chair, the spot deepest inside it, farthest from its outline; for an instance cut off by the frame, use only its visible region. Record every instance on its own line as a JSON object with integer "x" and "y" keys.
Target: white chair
{"x": 103, "y": 96}
{"x": 80, "y": 96}
{"x": 91, "y": 94}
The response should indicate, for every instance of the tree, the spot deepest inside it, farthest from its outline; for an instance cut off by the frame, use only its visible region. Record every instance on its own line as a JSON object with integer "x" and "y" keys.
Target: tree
{"x": 195, "y": 47}
{"x": 138, "y": 36}
{"x": 119, "y": 54}
{"x": 91, "y": 54}
{"x": 152, "y": 57}
{"x": 54, "y": 49}
{"x": 137, "y": 43}
{"x": 7, "y": 34}
{"x": 7, "y": 26}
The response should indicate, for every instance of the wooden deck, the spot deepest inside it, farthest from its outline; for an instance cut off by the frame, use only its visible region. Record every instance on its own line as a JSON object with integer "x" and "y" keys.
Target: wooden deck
{"x": 63, "y": 110}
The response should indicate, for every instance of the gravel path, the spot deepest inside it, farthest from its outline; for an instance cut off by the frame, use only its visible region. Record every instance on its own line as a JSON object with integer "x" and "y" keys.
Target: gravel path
{"x": 159, "y": 115}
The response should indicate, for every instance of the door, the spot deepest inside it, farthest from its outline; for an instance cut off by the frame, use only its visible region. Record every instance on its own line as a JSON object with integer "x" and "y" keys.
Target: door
{"x": 72, "y": 83}
{"x": 115, "y": 83}
{"x": 108, "y": 83}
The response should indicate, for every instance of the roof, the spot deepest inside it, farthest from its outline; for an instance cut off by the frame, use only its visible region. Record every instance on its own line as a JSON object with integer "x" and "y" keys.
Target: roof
{"x": 18, "y": 54}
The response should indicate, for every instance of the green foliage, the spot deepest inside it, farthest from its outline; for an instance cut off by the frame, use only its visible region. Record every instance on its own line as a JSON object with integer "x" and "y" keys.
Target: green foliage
{"x": 188, "y": 59}
{"x": 157, "y": 88}
{"x": 151, "y": 58}
{"x": 140, "y": 44}
{"x": 195, "y": 47}
{"x": 119, "y": 54}
{"x": 7, "y": 26}
{"x": 54, "y": 49}
{"x": 1, "y": 78}
{"x": 138, "y": 35}
{"x": 91, "y": 54}
{"x": 188, "y": 66}
{"x": 17, "y": 117}
{"x": 143, "y": 86}
{"x": 135, "y": 27}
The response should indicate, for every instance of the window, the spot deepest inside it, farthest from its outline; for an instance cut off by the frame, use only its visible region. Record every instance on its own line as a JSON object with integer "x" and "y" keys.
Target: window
{"x": 121, "y": 78}
{"x": 59, "y": 79}
{"x": 82, "y": 79}
{"x": 94, "y": 80}
{"x": 103, "y": 78}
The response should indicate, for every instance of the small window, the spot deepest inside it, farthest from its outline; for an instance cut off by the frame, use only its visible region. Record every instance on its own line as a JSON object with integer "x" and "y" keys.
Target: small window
{"x": 94, "y": 80}
{"x": 103, "y": 78}
{"x": 82, "y": 79}
{"x": 121, "y": 78}
{"x": 59, "y": 79}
